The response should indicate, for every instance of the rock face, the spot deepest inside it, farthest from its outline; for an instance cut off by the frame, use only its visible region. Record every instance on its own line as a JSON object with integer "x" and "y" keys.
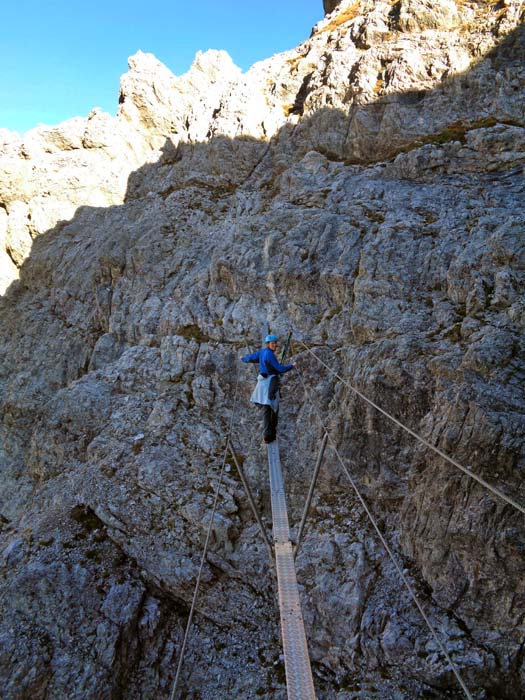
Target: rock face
{"x": 330, "y": 5}
{"x": 366, "y": 189}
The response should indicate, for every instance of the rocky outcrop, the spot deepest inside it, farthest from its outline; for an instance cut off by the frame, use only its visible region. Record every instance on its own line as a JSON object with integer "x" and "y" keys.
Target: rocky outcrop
{"x": 367, "y": 189}
{"x": 367, "y": 69}
{"x": 330, "y": 5}
{"x": 419, "y": 15}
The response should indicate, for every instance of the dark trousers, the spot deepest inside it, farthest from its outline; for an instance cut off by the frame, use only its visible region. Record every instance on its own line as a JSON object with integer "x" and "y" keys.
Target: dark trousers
{"x": 271, "y": 417}
{"x": 270, "y": 420}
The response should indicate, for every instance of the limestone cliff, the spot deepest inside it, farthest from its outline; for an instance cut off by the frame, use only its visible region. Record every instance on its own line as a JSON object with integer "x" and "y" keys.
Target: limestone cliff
{"x": 365, "y": 188}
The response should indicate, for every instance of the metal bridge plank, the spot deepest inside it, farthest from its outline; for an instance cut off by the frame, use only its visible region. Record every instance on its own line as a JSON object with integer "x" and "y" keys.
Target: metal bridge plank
{"x": 299, "y": 680}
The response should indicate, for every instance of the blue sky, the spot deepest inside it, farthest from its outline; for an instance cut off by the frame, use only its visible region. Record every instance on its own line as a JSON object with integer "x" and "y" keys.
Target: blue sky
{"x": 60, "y": 59}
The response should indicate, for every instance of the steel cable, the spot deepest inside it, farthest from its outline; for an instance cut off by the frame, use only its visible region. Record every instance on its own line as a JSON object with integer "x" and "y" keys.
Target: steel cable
{"x": 479, "y": 479}
{"x": 442, "y": 454}
{"x": 372, "y": 519}
{"x": 386, "y": 545}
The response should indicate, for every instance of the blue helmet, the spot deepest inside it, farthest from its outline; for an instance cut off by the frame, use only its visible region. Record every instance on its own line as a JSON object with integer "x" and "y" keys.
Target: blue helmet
{"x": 270, "y": 339}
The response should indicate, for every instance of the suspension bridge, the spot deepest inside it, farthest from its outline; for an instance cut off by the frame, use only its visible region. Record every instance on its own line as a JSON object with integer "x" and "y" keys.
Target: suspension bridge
{"x": 282, "y": 550}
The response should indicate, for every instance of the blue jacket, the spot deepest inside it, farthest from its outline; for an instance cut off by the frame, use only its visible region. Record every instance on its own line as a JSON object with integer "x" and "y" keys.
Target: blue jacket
{"x": 268, "y": 363}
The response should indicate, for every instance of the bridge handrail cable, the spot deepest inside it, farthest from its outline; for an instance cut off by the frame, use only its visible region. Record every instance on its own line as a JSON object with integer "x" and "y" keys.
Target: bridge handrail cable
{"x": 496, "y": 492}
{"x": 385, "y": 543}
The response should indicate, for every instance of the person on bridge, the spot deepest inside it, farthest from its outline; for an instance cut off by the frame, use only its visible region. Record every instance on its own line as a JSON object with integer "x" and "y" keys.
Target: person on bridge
{"x": 266, "y": 393}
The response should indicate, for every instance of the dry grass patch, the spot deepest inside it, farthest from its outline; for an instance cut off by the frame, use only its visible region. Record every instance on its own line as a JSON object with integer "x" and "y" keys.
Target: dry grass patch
{"x": 378, "y": 87}
{"x": 294, "y": 62}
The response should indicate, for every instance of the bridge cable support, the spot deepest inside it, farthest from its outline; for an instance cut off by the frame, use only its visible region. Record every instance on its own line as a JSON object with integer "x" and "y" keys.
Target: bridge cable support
{"x": 496, "y": 492}
{"x": 389, "y": 550}
{"x": 251, "y": 501}
{"x": 306, "y": 510}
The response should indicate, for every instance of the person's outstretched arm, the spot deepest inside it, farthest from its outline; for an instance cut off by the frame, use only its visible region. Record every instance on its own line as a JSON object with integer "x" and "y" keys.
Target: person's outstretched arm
{"x": 254, "y": 357}
{"x": 274, "y": 362}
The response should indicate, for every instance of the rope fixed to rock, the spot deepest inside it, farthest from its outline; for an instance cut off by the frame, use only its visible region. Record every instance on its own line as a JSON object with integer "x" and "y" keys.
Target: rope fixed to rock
{"x": 387, "y": 546}
{"x": 206, "y": 544}
{"x": 496, "y": 492}
{"x": 368, "y": 512}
